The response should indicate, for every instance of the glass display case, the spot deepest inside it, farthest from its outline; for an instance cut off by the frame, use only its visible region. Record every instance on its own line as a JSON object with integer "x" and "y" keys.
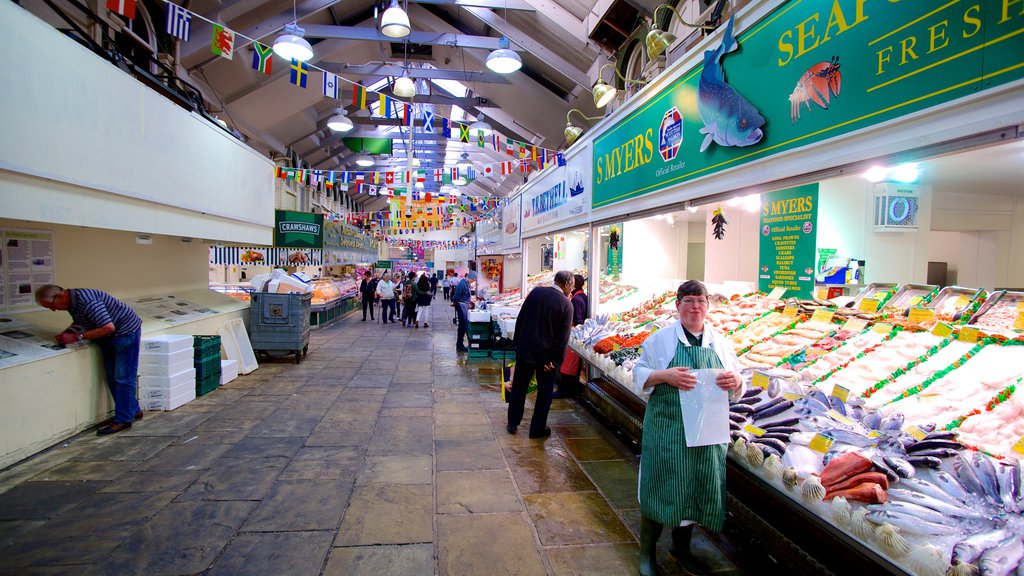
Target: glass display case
{"x": 325, "y": 293}
{"x": 238, "y": 291}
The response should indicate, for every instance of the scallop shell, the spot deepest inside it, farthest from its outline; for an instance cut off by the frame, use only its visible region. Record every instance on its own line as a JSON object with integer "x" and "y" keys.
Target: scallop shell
{"x": 789, "y": 478}
{"x": 962, "y": 569}
{"x": 773, "y": 467}
{"x": 740, "y": 447}
{"x": 927, "y": 560}
{"x": 841, "y": 512}
{"x": 859, "y": 525}
{"x": 754, "y": 455}
{"x": 891, "y": 540}
{"x": 812, "y": 491}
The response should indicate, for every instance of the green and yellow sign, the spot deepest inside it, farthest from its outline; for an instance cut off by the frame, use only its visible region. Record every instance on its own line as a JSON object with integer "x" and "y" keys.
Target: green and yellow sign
{"x": 808, "y": 71}
{"x": 298, "y": 229}
{"x": 789, "y": 231}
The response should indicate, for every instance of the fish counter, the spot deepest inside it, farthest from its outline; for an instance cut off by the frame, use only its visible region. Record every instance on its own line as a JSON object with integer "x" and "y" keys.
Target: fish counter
{"x": 897, "y": 431}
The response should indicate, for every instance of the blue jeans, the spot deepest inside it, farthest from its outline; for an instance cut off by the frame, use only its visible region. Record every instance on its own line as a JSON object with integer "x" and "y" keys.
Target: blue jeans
{"x": 387, "y": 311}
{"x": 121, "y": 363}
{"x": 462, "y": 311}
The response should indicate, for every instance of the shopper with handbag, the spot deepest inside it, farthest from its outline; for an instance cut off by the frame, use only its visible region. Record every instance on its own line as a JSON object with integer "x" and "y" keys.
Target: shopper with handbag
{"x": 422, "y": 293}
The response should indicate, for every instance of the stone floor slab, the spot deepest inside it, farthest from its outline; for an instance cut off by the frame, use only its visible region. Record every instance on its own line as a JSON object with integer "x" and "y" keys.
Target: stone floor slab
{"x": 469, "y": 454}
{"x": 616, "y": 479}
{"x": 388, "y": 514}
{"x": 85, "y": 471}
{"x": 595, "y": 559}
{"x": 288, "y": 423}
{"x": 396, "y": 470}
{"x": 165, "y": 424}
{"x": 295, "y": 505}
{"x": 254, "y": 447}
{"x": 575, "y": 518}
{"x": 272, "y": 554}
{"x": 408, "y": 560}
{"x": 126, "y": 448}
{"x": 236, "y": 479}
{"x": 332, "y": 463}
{"x": 485, "y": 544}
{"x": 476, "y": 492}
{"x": 153, "y": 481}
{"x": 185, "y": 457}
{"x": 42, "y": 500}
{"x": 586, "y": 449}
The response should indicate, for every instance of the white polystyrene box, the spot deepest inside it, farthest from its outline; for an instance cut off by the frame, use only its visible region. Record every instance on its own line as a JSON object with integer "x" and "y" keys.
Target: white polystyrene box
{"x": 167, "y": 343}
{"x": 165, "y": 358}
{"x": 165, "y": 370}
{"x": 172, "y": 381}
{"x": 228, "y": 371}
{"x": 479, "y": 316}
{"x": 165, "y": 393}
{"x": 169, "y": 404}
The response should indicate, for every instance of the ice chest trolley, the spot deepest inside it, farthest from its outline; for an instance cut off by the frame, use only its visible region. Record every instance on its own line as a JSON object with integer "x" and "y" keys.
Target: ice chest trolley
{"x": 279, "y": 324}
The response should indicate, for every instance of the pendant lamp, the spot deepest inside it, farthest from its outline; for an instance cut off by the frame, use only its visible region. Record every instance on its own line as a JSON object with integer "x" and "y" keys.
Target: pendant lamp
{"x": 394, "y": 23}
{"x": 291, "y": 45}
{"x": 658, "y": 40}
{"x": 404, "y": 87}
{"x": 480, "y": 126}
{"x": 340, "y": 122}
{"x": 572, "y": 132}
{"x": 504, "y": 60}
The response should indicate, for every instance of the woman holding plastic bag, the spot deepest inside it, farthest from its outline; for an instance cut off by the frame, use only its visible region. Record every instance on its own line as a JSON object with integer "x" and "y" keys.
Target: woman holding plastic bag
{"x": 569, "y": 372}
{"x": 688, "y": 372}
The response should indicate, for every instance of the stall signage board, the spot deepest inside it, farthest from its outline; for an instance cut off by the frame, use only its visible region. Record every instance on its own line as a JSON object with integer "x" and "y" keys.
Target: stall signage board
{"x": 344, "y": 237}
{"x": 615, "y": 251}
{"x": 298, "y": 229}
{"x": 887, "y": 59}
{"x": 561, "y": 194}
{"x": 385, "y": 264}
{"x": 511, "y": 232}
{"x": 788, "y": 232}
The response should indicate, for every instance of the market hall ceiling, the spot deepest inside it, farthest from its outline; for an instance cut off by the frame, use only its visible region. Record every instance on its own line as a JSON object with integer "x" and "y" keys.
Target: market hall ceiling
{"x": 450, "y": 41}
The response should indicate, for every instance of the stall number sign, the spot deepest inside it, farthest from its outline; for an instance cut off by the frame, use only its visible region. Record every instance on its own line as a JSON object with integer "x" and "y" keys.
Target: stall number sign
{"x": 822, "y": 315}
{"x": 821, "y": 443}
{"x": 969, "y": 334}
{"x": 922, "y": 315}
{"x": 942, "y": 330}
{"x": 760, "y": 380}
{"x": 855, "y": 324}
{"x": 868, "y": 305}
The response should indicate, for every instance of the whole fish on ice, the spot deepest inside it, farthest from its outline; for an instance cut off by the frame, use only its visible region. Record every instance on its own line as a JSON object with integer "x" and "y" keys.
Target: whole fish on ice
{"x": 729, "y": 120}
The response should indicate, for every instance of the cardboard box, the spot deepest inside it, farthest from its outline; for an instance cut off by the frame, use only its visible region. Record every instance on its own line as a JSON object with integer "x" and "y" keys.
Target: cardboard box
{"x": 164, "y": 358}
{"x": 167, "y": 343}
{"x": 165, "y": 370}
{"x": 169, "y": 404}
{"x": 168, "y": 382}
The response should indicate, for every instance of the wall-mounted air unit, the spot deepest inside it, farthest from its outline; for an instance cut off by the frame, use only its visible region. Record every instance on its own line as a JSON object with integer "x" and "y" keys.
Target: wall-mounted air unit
{"x": 896, "y": 207}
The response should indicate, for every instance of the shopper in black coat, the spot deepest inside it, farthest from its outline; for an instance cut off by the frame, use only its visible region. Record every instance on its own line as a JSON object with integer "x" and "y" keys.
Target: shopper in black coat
{"x": 569, "y": 374}
{"x": 367, "y": 292}
{"x": 542, "y": 333}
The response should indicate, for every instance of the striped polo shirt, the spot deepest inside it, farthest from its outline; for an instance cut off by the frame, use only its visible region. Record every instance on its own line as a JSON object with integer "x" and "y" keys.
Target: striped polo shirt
{"x": 94, "y": 308}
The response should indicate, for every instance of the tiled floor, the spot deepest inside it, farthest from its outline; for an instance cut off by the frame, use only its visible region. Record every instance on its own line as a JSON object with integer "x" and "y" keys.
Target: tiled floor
{"x": 382, "y": 453}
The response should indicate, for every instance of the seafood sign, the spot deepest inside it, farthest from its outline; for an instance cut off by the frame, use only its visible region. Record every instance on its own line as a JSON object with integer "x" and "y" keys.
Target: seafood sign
{"x": 818, "y": 85}
{"x": 729, "y": 120}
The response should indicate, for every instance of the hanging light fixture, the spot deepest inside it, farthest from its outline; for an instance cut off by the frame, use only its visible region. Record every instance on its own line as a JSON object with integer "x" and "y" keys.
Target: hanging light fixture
{"x": 605, "y": 93}
{"x": 658, "y": 40}
{"x": 394, "y": 23}
{"x": 364, "y": 160}
{"x": 504, "y": 60}
{"x": 572, "y": 132}
{"x": 404, "y": 87}
{"x": 291, "y": 45}
{"x": 480, "y": 126}
{"x": 340, "y": 122}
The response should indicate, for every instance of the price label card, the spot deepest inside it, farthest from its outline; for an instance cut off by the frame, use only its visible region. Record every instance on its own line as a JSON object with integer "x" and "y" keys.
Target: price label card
{"x": 1018, "y": 324}
{"x": 969, "y": 334}
{"x": 821, "y": 293}
{"x": 874, "y": 434}
{"x": 915, "y": 300}
{"x": 793, "y": 396}
{"x": 754, "y": 430}
{"x": 915, "y": 432}
{"x": 760, "y": 379}
{"x": 882, "y": 328}
{"x": 922, "y": 315}
{"x": 841, "y": 392}
{"x": 855, "y": 324}
{"x": 962, "y": 301}
{"x": 822, "y": 315}
{"x": 1019, "y": 446}
{"x": 942, "y": 330}
{"x": 839, "y": 417}
{"x": 821, "y": 443}
{"x": 1020, "y": 305}
{"x": 776, "y": 293}
{"x": 789, "y": 311}
{"x": 868, "y": 305}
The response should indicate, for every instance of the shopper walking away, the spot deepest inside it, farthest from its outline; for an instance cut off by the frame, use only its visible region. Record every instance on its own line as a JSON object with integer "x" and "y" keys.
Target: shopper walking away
{"x": 542, "y": 333}
{"x": 569, "y": 372}
{"x": 433, "y": 284}
{"x": 117, "y": 329}
{"x": 462, "y": 293}
{"x": 409, "y": 300}
{"x": 386, "y": 293}
{"x": 446, "y": 286}
{"x": 367, "y": 292}
{"x": 423, "y": 297}
{"x": 680, "y": 485}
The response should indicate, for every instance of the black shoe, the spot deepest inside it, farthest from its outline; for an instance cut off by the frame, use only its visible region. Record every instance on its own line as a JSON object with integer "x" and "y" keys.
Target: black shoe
{"x": 544, "y": 434}
{"x": 511, "y": 429}
{"x": 461, "y": 349}
{"x": 363, "y": 320}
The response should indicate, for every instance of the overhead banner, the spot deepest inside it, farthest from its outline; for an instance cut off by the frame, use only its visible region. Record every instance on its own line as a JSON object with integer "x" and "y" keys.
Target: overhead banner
{"x": 807, "y": 72}
{"x": 347, "y": 244}
{"x": 298, "y": 229}
{"x": 511, "y": 235}
{"x": 789, "y": 232}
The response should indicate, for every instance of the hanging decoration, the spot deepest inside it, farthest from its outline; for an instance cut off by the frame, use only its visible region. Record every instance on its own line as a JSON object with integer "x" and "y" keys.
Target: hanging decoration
{"x": 718, "y": 219}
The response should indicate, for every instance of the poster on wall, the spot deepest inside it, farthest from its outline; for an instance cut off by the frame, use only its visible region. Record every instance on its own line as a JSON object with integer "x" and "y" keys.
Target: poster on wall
{"x": 788, "y": 232}
{"x": 27, "y": 264}
{"x": 169, "y": 309}
{"x": 510, "y": 232}
{"x": 615, "y": 252}
{"x": 21, "y": 342}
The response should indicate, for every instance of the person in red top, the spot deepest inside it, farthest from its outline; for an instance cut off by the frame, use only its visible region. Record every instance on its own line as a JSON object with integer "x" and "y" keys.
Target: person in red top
{"x": 569, "y": 373}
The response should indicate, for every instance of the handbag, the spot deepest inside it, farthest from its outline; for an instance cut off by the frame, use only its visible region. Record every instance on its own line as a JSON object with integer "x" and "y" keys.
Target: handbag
{"x": 506, "y": 382}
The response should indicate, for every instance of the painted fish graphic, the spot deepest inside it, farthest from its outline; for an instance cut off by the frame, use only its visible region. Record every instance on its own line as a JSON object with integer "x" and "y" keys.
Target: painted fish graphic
{"x": 729, "y": 120}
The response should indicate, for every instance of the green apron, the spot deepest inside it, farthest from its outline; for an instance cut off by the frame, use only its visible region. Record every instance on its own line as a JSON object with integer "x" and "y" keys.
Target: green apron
{"x": 679, "y": 483}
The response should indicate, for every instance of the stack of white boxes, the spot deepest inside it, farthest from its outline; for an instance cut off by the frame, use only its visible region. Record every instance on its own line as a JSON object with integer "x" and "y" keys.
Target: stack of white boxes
{"x": 168, "y": 377}
{"x": 228, "y": 371}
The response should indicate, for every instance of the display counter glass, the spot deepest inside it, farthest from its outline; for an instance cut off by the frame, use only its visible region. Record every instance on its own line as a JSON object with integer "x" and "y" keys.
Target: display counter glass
{"x": 238, "y": 291}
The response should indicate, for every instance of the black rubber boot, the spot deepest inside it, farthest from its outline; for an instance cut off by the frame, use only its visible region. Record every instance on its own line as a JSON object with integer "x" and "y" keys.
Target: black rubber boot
{"x": 650, "y": 531}
{"x": 681, "y": 536}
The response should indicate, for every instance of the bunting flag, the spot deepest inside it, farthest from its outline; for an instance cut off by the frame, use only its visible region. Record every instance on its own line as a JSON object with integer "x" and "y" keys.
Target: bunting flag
{"x": 534, "y": 156}
{"x": 522, "y": 151}
{"x": 125, "y": 8}
{"x": 179, "y": 22}
{"x": 446, "y": 128}
{"x": 330, "y": 85}
{"x": 360, "y": 178}
{"x": 261, "y": 58}
{"x": 223, "y": 43}
{"x": 428, "y": 122}
{"x": 506, "y": 168}
{"x": 495, "y": 141}
{"x": 560, "y": 158}
{"x": 454, "y": 173}
{"x": 479, "y": 138}
{"x": 524, "y": 166}
{"x": 406, "y": 115}
{"x": 359, "y": 97}
{"x": 488, "y": 170}
{"x": 330, "y": 180}
{"x": 389, "y": 178}
{"x": 298, "y": 74}
{"x": 509, "y": 146}
{"x": 385, "y": 107}
{"x": 464, "y": 133}
{"x": 438, "y": 174}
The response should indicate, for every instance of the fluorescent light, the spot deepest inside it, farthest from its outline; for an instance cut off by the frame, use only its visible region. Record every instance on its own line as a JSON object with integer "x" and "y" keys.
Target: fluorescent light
{"x": 291, "y": 45}
{"x": 691, "y": 209}
{"x": 503, "y": 60}
{"x": 394, "y": 23}
{"x": 876, "y": 174}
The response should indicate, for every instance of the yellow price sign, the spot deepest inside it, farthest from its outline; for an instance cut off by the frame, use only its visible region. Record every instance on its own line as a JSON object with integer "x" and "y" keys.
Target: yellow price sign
{"x": 754, "y": 430}
{"x": 874, "y": 434}
{"x": 821, "y": 443}
{"x": 868, "y": 305}
{"x": 793, "y": 396}
{"x": 1018, "y": 324}
{"x": 942, "y": 330}
{"x": 915, "y": 300}
{"x": 915, "y": 432}
{"x": 760, "y": 379}
{"x": 882, "y": 328}
{"x": 922, "y": 315}
{"x": 855, "y": 324}
{"x": 1020, "y": 305}
{"x": 969, "y": 334}
{"x": 839, "y": 417}
{"x": 841, "y": 392}
{"x": 776, "y": 293}
{"x": 823, "y": 315}
{"x": 1019, "y": 446}
{"x": 962, "y": 301}
{"x": 789, "y": 311}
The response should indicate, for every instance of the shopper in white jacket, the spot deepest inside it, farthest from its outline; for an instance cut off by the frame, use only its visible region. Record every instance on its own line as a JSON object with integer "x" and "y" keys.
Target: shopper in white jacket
{"x": 386, "y": 293}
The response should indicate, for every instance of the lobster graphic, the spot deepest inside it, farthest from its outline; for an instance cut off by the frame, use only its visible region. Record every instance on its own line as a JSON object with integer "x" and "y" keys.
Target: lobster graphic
{"x": 818, "y": 85}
